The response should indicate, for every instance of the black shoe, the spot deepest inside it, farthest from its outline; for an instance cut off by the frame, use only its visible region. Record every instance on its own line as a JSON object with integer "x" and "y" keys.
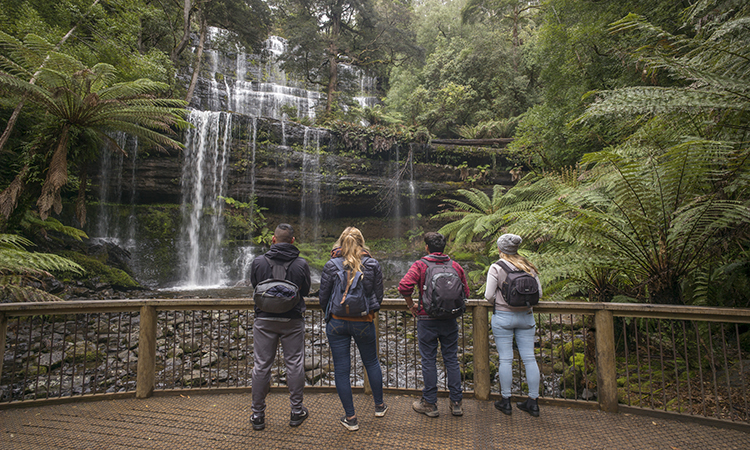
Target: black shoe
{"x": 297, "y": 418}
{"x": 259, "y": 421}
{"x": 504, "y": 406}
{"x": 350, "y": 424}
{"x": 530, "y": 406}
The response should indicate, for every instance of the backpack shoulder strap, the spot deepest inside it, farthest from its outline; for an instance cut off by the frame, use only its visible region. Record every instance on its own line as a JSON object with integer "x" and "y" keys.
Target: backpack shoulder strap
{"x": 338, "y": 262}
{"x": 279, "y": 271}
{"x": 504, "y": 265}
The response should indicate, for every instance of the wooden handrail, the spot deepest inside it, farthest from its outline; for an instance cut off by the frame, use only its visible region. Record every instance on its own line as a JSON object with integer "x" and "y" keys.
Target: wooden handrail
{"x": 703, "y": 313}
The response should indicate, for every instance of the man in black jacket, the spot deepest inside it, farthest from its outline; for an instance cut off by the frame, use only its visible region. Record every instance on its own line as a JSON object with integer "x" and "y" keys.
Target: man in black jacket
{"x": 288, "y": 327}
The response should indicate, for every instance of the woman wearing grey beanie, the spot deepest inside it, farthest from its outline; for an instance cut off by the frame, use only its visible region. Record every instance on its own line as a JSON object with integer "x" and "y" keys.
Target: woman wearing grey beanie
{"x": 509, "y": 322}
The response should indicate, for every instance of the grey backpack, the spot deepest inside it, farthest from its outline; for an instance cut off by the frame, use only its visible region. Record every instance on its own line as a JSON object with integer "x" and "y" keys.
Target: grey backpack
{"x": 519, "y": 288}
{"x": 276, "y": 294}
{"x": 443, "y": 295}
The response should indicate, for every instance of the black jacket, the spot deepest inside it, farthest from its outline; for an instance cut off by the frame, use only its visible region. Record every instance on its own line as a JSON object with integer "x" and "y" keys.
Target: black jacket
{"x": 372, "y": 281}
{"x": 298, "y": 273}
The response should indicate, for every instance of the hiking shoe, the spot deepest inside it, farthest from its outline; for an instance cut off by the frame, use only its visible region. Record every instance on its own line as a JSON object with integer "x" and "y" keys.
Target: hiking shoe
{"x": 350, "y": 424}
{"x": 504, "y": 406}
{"x": 456, "y": 408}
{"x": 297, "y": 418}
{"x": 530, "y": 406}
{"x": 259, "y": 421}
{"x": 380, "y": 410}
{"x": 428, "y": 409}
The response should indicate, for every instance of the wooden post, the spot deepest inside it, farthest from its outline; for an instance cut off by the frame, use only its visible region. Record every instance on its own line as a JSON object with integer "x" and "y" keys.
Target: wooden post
{"x": 481, "y": 354}
{"x": 3, "y": 331}
{"x": 605, "y": 361}
{"x": 146, "y": 353}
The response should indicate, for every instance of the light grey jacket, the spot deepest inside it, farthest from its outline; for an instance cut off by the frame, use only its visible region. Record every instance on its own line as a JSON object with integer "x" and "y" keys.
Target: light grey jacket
{"x": 492, "y": 294}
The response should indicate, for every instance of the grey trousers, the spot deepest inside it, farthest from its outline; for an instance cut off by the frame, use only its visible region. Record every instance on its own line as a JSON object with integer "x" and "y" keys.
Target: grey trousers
{"x": 266, "y": 336}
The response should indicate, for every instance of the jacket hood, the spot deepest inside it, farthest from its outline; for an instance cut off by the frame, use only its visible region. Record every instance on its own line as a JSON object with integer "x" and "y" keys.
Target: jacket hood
{"x": 437, "y": 257}
{"x": 283, "y": 252}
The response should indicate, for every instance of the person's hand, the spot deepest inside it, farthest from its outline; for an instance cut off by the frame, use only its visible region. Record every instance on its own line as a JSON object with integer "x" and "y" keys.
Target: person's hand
{"x": 414, "y": 308}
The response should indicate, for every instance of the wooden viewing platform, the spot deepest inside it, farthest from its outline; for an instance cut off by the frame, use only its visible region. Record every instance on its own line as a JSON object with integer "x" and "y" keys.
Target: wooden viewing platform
{"x": 222, "y": 421}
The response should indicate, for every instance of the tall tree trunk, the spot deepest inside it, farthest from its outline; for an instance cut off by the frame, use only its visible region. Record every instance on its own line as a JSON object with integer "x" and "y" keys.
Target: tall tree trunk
{"x": 57, "y": 177}
{"x": 17, "y": 111}
{"x": 198, "y": 59}
{"x": 186, "y": 13}
{"x": 9, "y": 197}
{"x": 81, "y": 199}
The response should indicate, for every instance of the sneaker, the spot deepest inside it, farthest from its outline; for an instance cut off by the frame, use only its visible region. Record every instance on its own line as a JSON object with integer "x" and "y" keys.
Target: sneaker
{"x": 530, "y": 406}
{"x": 504, "y": 406}
{"x": 380, "y": 410}
{"x": 350, "y": 424}
{"x": 428, "y": 409}
{"x": 297, "y": 418}
{"x": 456, "y": 408}
{"x": 259, "y": 421}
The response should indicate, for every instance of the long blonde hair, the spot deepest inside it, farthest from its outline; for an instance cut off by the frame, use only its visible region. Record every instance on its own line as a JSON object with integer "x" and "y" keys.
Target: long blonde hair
{"x": 352, "y": 244}
{"x": 520, "y": 262}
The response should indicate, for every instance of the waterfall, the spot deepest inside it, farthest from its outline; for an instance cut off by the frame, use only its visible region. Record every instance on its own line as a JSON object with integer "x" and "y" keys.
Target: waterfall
{"x": 311, "y": 208}
{"x": 246, "y": 253}
{"x": 413, "y": 207}
{"x": 247, "y": 84}
{"x": 397, "y": 196}
{"x": 110, "y": 169}
{"x": 203, "y": 181}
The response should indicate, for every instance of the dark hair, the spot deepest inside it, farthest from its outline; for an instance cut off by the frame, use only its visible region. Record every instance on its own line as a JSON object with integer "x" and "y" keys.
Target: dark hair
{"x": 435, "y": 242}
{"x": 284, "y": 233}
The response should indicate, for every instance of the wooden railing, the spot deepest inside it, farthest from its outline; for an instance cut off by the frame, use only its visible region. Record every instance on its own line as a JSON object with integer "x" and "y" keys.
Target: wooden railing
{"x": 692, "y": 361}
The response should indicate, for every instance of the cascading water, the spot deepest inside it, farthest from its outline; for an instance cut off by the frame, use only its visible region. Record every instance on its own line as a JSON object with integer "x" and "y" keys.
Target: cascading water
{"x": 260, "y": 88}
{"x": 203, "y": 181}
{"x": 311, "y": 208}
{"x": 246, "y": 254}
{"x": 413, "y": 207}
{"x": 110, "y": 169}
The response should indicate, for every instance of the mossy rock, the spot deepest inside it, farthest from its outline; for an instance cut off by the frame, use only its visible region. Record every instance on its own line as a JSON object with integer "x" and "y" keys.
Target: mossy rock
{"x": 32, "y": 371}
{"x": 97, "y": 269}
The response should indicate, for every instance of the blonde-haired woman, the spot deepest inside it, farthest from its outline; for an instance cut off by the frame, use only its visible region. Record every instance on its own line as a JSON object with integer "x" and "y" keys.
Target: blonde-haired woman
{"x": 352, "y": 254}
{"x": 509, "y": 321}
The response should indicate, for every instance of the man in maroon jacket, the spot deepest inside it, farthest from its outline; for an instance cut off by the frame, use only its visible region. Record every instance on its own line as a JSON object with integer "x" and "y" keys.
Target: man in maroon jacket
{"x": 431, "y": 331}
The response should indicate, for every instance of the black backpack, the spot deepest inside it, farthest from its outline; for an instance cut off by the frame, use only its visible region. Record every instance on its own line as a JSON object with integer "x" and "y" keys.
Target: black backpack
{"x": 443, "y": 295}
{"x": 351, "y": 302}
{"x": 519, "y": 288}
{"x": 276, "y": 294}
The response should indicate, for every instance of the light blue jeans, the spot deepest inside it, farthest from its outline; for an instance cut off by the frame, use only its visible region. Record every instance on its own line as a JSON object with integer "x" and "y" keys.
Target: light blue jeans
{"x": 505, "y": 325}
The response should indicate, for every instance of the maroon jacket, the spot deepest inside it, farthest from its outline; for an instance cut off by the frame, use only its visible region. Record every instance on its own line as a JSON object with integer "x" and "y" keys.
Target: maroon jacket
{"x": 416, "y": 274}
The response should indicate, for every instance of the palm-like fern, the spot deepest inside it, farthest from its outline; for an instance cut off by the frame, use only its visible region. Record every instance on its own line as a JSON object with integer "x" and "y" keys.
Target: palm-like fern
{"x": 18, "y": 267}
{"x": 87, "y": 100}
{"x": 469, "y": 215}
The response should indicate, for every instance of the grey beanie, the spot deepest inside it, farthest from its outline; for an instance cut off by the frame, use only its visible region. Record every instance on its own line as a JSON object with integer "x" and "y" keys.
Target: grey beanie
{"x": 508, "y": 243}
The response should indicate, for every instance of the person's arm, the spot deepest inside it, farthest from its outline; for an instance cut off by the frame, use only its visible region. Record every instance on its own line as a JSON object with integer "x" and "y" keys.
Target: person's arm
{"x": 305, "y": 288}
{"x": 462, "y": 275}
{"x": 377, "y": 281}
{"x": 491, "y": 288}
{"x": 326, "y": 284}
{"x": 406, "y": 287}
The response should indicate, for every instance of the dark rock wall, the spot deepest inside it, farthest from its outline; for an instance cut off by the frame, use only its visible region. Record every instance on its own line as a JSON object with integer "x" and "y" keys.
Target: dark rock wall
{"x": 350, "y": 184}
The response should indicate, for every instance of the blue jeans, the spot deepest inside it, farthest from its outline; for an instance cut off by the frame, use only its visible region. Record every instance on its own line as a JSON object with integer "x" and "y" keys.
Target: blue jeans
{"x": 505, "y": 325}
{"x": 429, "y": 333}
{"x": 340, "y": 333}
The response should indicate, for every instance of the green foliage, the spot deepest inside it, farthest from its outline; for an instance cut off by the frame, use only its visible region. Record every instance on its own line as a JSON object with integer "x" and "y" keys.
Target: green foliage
{"x": 243, "y": 218}
{"x": 19, "y": 268}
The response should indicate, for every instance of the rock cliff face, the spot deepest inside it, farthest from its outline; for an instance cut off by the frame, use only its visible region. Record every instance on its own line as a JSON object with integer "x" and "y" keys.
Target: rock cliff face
{"x": 348, "y": 184}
